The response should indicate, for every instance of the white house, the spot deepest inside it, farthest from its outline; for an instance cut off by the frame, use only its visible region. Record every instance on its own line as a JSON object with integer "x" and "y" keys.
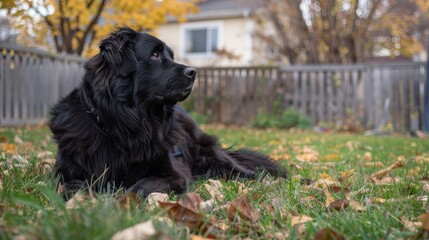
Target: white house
{"x": 220, "y": 34}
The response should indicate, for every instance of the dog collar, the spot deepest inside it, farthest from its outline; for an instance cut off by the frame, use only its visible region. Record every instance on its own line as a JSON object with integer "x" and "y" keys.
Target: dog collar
{"x": 176, "y": 152}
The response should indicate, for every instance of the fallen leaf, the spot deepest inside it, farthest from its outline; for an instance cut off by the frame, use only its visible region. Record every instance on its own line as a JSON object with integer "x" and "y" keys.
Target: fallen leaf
{"x": 3, "y": 139}
{"x": 129, "y": 200}
{"x": 328, "y": 234}
{"x": 339, "y": 189}
{"x": 380, "y": 174}
{"x": 196, "y": 237}
{"x": 208, "y": 205}
{"x": 187, "y": 211}
{"x": 367, "y": 156}
{"x": 141, "y": 231}
{"x": 373, "y": 164}
{"x": 18, "y": 140}
{"x": 322, "y": 184}
{"x": 8, "y": 148}
{"x": 356, "y": 205}
{"x": 214, "y": 187}
{"x": 45, "y": 155}
{"x": 331, "y": 157}
{"x": 329, "y": 198}
{"x": 306, "y": 154}
{"x": 242, "y": 208}
{"x": 425, "y": 186}
{"x": 326, "y": 176}
{"x": 386, "y": 180}
{"x": 80, "y": 200}
{"x": 154, "y": 198}
{"x": 346, "y": 174}
{"x": 410, "y": 226}
{"x": 424, "y": 219}
{"x": 300, "y": 219}
{"x": 339, "y": 204}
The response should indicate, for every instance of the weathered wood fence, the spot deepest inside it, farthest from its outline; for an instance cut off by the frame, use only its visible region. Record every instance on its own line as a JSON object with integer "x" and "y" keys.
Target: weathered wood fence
{"x": 31, "y": 81}
{"x": 372, "y": 95}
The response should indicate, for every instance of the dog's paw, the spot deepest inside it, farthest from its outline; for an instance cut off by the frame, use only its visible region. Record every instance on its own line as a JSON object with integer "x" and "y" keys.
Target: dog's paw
{"x": 146, "y": 186}
{"x": 73, "y": 186}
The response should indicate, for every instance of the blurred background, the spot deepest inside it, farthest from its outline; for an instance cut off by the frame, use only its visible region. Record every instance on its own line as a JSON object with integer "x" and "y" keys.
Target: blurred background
{"x": 348, "y": 65}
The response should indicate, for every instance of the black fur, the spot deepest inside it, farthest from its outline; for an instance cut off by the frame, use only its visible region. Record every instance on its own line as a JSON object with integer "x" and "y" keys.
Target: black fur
{"x": 120, "y": 126}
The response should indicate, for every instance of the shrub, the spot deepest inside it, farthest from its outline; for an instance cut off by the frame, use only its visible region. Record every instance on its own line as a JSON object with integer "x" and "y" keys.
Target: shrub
{"x": 288, "y": 119}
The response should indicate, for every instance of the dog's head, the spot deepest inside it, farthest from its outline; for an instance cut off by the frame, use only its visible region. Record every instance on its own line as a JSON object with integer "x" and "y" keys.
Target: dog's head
{"x": 138, "y": 68}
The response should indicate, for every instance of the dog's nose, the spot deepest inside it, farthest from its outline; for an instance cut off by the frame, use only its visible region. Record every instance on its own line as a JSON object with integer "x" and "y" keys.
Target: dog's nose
{"x": 190, "y": 72}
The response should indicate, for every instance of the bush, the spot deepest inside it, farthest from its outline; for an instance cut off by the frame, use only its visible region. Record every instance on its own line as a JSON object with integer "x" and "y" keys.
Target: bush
{"x": 288, "y": 119}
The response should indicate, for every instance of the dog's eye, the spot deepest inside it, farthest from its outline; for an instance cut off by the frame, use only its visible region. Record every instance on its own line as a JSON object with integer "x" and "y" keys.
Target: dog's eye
{"x": 155, "y": 55}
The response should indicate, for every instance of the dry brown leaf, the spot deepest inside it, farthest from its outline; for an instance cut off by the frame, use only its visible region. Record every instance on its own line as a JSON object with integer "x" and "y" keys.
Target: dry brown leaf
{"x": 339, "y": 189}
{"x": 329, "y": 198}
{"x": 300, "y": 219}
{"x": 242, "y": 208}
{"x": 328, "y": 234}
{"x": 373, "y": 164}
{"x": 80, "y": 200}
{"x": 154, "y": 198}
{"x": 367, "y": 156}
{"x": 331, "y": 157}
{"x": 425, "y": 186}
{"x": 129, "y": 200}
{"x": 386, "y": 180}
{"x": 410, "y": 226}
{"x": 339, "y": 205}
{"x": 208, "y": 205}
{"x": 187, "y": 211}
{"x": 45, "y": 155}
{"x": 346, "y": 174}
{"x": 322, "y": 184}
{"x": 196, "y": 237}
{"x": 424, "y": 219}
{"x": 355, "y": 205}
{"x": 422, "y": 159}
{"x": 18, "y": 140}
{"x": 306, "y": 154}
{"x": 214, "y": 187}
{"x": 326, "y": 176}
{"x": 380, "y": 174}
{"x": 141, "y": 231}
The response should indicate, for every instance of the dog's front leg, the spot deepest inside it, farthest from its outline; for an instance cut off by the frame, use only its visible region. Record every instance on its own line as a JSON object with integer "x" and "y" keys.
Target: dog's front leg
{"x": 163, "y": 177}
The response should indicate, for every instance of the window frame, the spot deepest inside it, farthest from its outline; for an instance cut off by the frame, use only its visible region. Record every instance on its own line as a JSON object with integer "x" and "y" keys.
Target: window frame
{"x": 200, "y": 26}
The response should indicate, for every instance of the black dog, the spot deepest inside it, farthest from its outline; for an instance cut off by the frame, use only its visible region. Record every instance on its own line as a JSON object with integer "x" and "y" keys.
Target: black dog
{"x": 121, "y": 128}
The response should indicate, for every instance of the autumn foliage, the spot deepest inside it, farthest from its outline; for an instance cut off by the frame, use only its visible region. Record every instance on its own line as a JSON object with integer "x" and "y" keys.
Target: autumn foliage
{"x": 76, "y": 26}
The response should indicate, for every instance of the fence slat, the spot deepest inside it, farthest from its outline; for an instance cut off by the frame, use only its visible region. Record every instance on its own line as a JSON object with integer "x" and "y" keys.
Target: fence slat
{"x": 31, "y": 81}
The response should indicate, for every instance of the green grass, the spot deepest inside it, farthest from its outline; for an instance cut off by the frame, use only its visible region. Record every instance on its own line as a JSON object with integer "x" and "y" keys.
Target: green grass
{"x": 31, "y": 208}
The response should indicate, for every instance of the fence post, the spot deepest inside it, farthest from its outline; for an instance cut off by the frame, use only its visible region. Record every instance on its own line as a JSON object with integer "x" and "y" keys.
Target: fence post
{"x": 426, "y": 97}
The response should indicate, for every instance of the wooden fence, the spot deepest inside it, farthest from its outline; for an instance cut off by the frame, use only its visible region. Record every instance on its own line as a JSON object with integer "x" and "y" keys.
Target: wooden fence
{"x": 333, "y": 95}
{"x": 372, "y": 96}
{"x": 31, "y": 81}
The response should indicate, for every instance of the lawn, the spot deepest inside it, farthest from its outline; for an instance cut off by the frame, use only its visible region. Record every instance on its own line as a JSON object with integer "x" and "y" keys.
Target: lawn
{"x": 341, "y": 186}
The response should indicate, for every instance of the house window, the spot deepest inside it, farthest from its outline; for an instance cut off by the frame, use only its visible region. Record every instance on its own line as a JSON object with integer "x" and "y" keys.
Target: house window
{"x": 201, "y": 41}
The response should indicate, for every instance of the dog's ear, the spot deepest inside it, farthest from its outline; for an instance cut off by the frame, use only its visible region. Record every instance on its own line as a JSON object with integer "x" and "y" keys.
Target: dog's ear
{"x": 117, "y": 50}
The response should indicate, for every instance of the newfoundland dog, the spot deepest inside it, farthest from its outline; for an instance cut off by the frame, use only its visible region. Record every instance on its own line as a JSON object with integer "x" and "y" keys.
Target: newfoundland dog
{"x": 120, "y": 127}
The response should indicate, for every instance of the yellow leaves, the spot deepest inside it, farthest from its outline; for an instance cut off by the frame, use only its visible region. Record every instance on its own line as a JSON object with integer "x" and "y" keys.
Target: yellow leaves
{"x": 306, "y": 154}
{"x": 300, "y": 219}
{"x": 377, "y": 177}
{"x": 8, "y": 148}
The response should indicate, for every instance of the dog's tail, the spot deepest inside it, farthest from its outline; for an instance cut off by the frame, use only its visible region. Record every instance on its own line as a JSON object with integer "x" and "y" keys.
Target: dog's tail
{"x": 257, "y": 162}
